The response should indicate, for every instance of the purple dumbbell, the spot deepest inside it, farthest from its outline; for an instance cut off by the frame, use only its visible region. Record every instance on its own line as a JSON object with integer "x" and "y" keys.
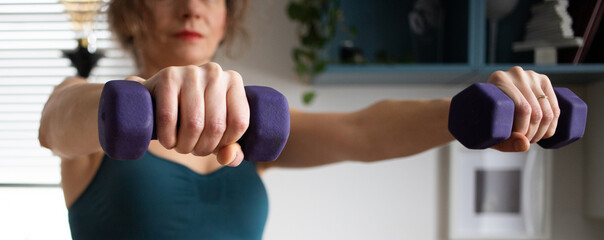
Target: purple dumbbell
{"x": 126, "y": 119}
{"x": 482, "y": 116}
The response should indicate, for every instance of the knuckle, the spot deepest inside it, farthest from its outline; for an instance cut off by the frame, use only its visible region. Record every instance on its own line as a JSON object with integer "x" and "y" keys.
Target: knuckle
{"x": 240, "y": 125}
{"x": 212, "y": 75}
{"x": 498, "y": 77}
{"x": 212, "y": 67}
{"x": 191, "y": 68}
{"x": 516, "y": 69}
{"x": 550, "y": 132}
{"x": 524, "y": 109}
{"x": 216, "y": 127}
{"x": 547, "y": 116}
{"x": 169, "y": 71}
{"x": 536, "y": 77}
{"x": 545, "y": 80}
{"x": 212, "y": 78}
{"x": 195, "y": 74}
{"x": 181, "y": 150}
{"x": 169, "y": 75}
{"x": 198, "y": 152}
{"x": 202, "y": 149}
{"x": 556, "y": 112}
{"x": 193, "y": 71}
{"x": 201, "y": 152}
{"x": 167, "y": 142}
{"x": 234, "y": 76}
{"x": 536, "y": 116}
{"x": 195, "y": 124}
{"x": 166, "y": 117}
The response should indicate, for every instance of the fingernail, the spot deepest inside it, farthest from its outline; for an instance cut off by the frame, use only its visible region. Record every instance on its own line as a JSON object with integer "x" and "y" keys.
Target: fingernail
{"x": 234, "y": 159}
{"x": 238, "y": 159}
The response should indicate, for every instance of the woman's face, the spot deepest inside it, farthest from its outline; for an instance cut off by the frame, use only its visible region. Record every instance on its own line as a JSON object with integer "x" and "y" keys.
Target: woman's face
{"x": 181, "y": 32}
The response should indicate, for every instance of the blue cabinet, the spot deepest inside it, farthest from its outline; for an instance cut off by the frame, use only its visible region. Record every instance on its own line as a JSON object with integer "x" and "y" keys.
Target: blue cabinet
{"x": 383, "y": 28}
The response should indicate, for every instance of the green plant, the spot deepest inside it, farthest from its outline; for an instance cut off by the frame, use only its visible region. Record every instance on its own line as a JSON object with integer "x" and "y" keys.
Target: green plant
{"x": 317, "y": 22}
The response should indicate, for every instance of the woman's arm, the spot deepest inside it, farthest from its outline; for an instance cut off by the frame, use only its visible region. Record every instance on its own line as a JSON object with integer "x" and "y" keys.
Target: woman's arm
{"x": 390, "y": 129}
{"x": 387, "y": 129}
{"x": 190, "y": 106}
{"x": 68, "y": 125}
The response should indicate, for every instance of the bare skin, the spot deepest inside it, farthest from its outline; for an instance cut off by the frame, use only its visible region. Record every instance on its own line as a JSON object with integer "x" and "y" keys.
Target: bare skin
{"x": 210, "y": 102}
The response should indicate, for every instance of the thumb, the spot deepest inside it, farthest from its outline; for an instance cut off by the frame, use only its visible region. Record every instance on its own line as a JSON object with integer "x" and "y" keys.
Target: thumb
{"x": 515, "y": 143}
{"x": 230, "y": 155}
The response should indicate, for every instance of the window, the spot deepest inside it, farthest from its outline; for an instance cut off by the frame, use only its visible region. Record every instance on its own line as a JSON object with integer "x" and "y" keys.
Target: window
{"x": 32, "y": 35}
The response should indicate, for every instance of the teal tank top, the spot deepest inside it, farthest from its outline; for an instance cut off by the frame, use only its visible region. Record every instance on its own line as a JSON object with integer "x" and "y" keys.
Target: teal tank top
{"x": 154, "y": 198}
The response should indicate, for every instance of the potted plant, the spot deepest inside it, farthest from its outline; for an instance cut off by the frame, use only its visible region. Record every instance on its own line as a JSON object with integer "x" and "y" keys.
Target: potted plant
{"x": 317, "y": 22}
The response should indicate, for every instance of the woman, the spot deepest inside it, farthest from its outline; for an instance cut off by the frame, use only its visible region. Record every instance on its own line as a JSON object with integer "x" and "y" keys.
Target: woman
{"x": 180, "y": 189}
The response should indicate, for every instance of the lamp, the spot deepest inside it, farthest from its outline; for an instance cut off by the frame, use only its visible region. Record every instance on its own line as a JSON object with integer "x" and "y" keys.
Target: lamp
{"x": 82, "y": 14}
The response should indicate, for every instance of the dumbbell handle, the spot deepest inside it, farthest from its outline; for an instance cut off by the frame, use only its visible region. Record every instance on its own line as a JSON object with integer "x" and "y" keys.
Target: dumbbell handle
{"x": 482, "y": 116}
{"x": 126, "y": 121}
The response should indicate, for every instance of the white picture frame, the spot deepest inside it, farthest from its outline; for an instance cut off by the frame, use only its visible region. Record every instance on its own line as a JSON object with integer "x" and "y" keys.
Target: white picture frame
{"x": 496, "y": 195}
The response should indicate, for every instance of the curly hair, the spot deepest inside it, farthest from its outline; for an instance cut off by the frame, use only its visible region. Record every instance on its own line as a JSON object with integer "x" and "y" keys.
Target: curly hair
{"x": 125, "y": 20}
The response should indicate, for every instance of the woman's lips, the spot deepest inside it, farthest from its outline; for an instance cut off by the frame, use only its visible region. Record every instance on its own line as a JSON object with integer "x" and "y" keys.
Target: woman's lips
{"x": 188, "y": 35}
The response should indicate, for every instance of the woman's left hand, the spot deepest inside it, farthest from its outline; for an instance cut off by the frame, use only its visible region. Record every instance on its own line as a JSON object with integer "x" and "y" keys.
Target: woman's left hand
{"x": 536, "y": 107}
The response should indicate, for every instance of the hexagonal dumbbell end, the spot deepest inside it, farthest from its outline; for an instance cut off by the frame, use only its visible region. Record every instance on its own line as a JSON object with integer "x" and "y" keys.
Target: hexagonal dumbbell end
{"x": 572, "y": 121}
{"x": 481, "y": 116}
{"x": 125, "y": 121}
{"x": 268, "y": 132}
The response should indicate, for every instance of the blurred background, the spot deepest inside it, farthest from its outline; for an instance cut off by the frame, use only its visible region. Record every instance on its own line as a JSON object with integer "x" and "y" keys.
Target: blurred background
{"x": 373, "y": 50}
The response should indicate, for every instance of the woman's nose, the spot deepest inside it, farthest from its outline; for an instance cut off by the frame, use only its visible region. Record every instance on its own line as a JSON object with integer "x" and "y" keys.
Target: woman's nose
{"x": 190, "y": 9}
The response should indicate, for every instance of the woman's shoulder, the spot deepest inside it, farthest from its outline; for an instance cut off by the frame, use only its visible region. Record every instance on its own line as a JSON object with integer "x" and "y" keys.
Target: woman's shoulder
{"x": 72, "y": 80}
{"x": 69, "y": 81}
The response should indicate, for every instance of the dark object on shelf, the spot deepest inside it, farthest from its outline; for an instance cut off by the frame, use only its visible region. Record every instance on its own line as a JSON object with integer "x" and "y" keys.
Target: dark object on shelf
{"x": 82, "y": 59}
{"x": 349, "y": 53}
{"x": 427, "y": 31}
{"x": 496, "y": 10}
{"x": 549, "y": 29}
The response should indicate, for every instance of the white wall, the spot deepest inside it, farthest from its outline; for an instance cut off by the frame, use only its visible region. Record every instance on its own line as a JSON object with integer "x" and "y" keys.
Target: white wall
{"x": 568, "y": 205}
{"x": 391, "y": 200}
{"x": 595, "y": 150}
{"x": 396, "y": 199}
{"x": 33, "y": 213}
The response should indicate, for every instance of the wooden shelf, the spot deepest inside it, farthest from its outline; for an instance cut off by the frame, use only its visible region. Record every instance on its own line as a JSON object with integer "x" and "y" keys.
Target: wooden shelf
{"x": 468, "y": 65}
{"x": 392, "y": 73}
{"x": 449, "y": 73}
{"x": 559, "y": 73}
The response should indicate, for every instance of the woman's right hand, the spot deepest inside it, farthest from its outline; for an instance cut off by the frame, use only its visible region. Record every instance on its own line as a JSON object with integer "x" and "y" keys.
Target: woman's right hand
{"x": 200, "y": 110}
